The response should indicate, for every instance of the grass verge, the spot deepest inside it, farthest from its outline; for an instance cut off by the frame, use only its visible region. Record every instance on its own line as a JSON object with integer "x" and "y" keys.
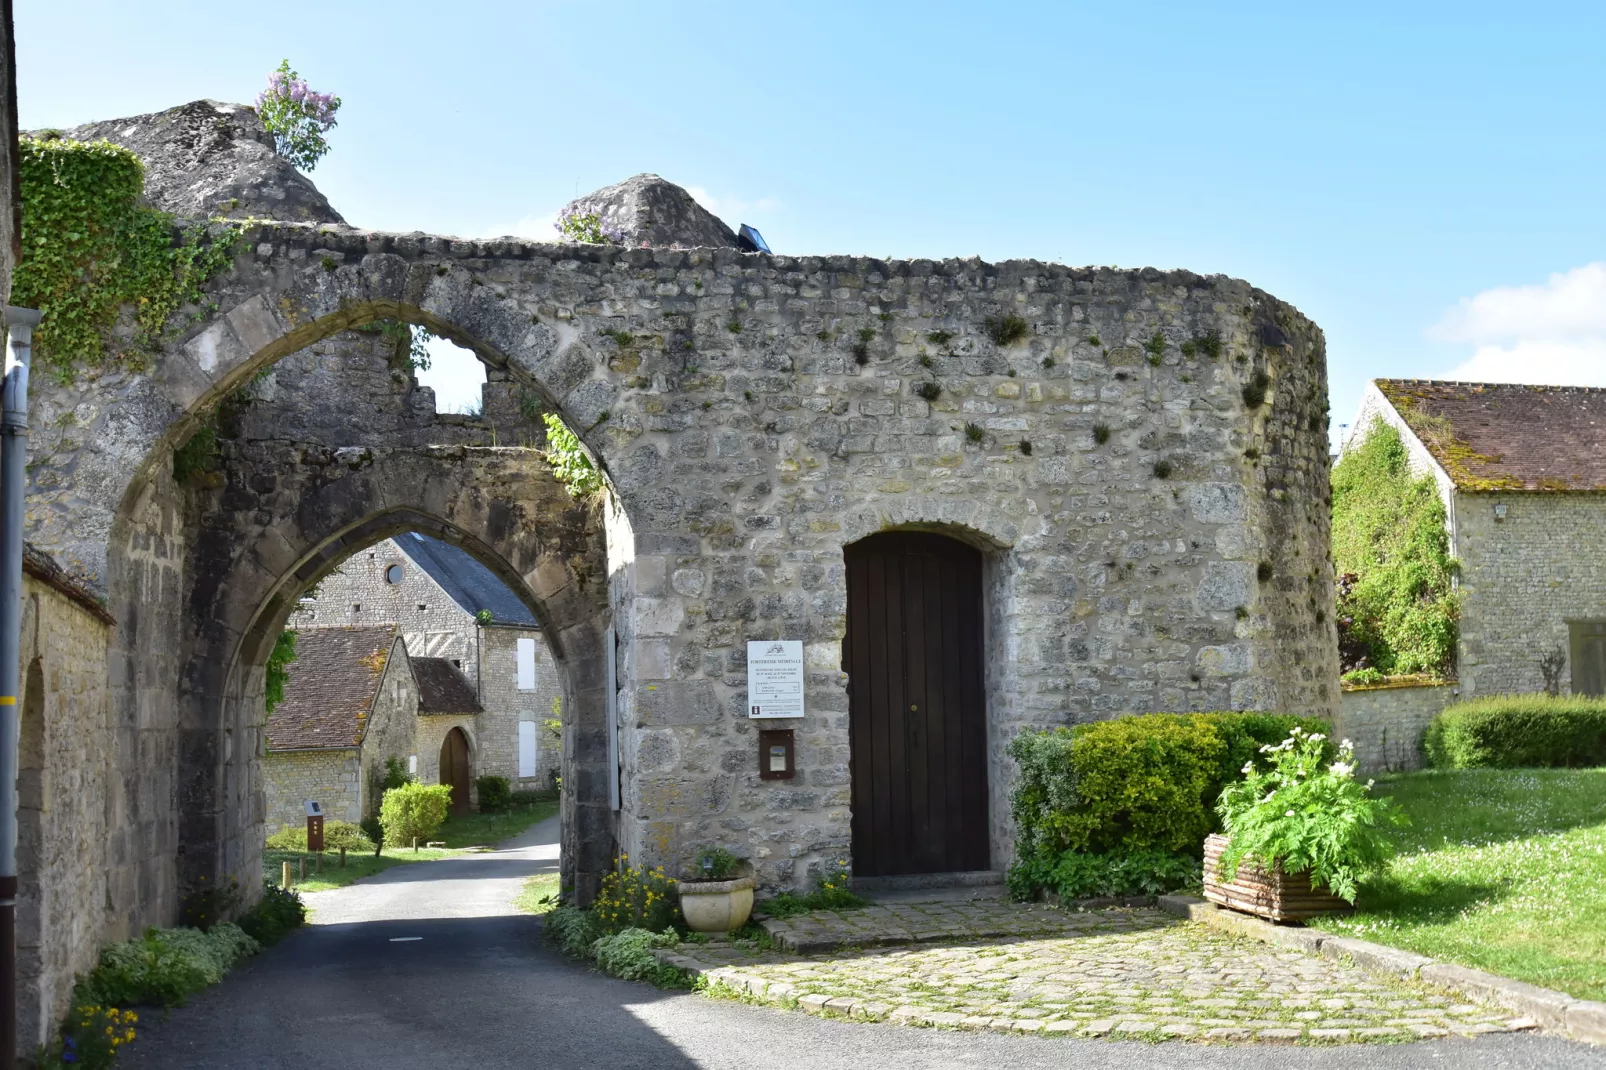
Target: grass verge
{"x": 458, "y": 833}
{"x": 1502, "y": 869}
{"x": 539, "y": 894}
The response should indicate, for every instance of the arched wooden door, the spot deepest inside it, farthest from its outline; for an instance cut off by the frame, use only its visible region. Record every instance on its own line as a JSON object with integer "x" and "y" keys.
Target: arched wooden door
{"x": 917, "y": 710}
{"x": 455, "y": 769}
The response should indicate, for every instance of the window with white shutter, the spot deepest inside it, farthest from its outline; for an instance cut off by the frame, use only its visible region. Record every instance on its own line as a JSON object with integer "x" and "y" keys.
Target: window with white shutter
{"x": 526, "y": 664}
{"x": 527, "y": 748}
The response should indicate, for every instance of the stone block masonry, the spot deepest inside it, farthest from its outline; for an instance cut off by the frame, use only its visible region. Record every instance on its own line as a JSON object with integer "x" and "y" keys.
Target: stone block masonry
{"x": 1387, "y": 723}
{"x": 333, "y": 778}
{"x": 1141, "y": 455}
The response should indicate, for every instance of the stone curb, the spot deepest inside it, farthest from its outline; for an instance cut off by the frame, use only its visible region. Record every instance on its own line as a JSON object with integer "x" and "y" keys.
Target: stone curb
{"x": 1578, "y": 1019}
{"x": 804, "y": 945}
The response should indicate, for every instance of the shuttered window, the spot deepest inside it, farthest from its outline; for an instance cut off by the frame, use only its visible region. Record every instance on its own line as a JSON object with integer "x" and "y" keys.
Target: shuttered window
{"x": 526, "y": 664}
{"x": 1588, "y": 656}
{"x": 527, "y": 748}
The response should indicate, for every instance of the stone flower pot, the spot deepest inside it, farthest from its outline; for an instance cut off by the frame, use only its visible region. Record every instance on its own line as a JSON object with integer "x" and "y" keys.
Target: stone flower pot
{"x": 1275, "y": 896}
{"x": 716, "y": 906}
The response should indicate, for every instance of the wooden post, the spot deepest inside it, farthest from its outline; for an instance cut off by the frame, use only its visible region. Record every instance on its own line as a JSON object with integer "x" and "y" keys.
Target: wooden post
{"x": 415, "y": 843}
{"x": 301, "y": 878}
{"x": 342, "y": 858}
{"x": 284, "y": 881}
{"x": 317, "y": 864}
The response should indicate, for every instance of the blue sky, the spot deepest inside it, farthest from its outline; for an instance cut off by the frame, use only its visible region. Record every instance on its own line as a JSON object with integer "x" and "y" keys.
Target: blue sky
{"x": 1425, "y": 180}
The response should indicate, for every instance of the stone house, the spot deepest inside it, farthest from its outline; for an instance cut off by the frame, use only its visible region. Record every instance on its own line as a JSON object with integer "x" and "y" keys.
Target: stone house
{"x": 1522, "y": 472}
{"x": 67, "y": 810}
{"x": 350, "y": 703}
{"x": 477, "y": 650}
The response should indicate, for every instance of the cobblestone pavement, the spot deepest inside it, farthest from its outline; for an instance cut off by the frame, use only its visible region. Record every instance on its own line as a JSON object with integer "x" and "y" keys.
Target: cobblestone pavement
{"x": 950, "y": 918}
{"x": 1116, "y": 973}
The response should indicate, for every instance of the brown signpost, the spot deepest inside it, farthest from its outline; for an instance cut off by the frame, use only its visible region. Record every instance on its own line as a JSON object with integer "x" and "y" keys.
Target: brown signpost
{"x": 314, "y": 828}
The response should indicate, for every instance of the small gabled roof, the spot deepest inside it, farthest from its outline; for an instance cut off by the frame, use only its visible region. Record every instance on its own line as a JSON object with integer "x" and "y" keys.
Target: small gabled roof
{"x": 331, "y": 689}
{"x": 1507, "y": 436}
{"x": 465, "y": 579}
{"x": 442, "y": 687}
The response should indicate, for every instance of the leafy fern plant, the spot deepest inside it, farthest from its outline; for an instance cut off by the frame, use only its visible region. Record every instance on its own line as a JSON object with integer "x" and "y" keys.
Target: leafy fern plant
{"x": 1304, "y": 817}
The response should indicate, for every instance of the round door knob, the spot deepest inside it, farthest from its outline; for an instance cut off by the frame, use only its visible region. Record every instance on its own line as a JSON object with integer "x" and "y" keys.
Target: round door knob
{"x": 913, "y": 707}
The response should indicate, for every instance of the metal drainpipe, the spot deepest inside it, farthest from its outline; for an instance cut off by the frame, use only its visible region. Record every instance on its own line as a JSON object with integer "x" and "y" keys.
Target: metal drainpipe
{"x": 20, "y": 322}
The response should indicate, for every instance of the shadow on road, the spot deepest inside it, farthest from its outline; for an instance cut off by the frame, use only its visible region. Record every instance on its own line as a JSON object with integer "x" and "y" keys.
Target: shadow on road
{"x": 437, "y": 994}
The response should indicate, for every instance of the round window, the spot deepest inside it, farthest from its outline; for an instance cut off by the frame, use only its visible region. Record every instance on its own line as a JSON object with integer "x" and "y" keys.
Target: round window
{"x": 393, "y": 574}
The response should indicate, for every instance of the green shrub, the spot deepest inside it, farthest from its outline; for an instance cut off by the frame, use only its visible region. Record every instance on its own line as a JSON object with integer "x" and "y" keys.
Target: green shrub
{"x": 1144, "y": 783}
{"x": 523, "y": 799}
{"x": 1307, "y": 818}
{"x": 207, "y": 904}
{"x": 627, "y": 955}
{"x": 572, "y": 929}
{"x": 1365, "y": 677}
{"x": 1516, "y": 731}
{"x": 632, "y": 898}
{"x": 374, "y": 831}
{"x": 396, "y": 775}
{"x": 280, "y": 911}
{"x": 716, "y": 863}
{"x": 1076, "y": 875}
{"x": 165, "y": 966}
{"x": 496, "y": 795}
{"x": 1397, "y": 609}
{"x": 414, "y": 812}
{"x": 89, "y": 1039}
{"x": 336, "y": 835}
{"x": 832, "y": 891}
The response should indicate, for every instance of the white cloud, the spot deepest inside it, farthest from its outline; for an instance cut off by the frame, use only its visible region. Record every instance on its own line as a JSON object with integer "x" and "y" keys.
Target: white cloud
{"x": 1552, "y": 332}
{"x": 732, "y": 210}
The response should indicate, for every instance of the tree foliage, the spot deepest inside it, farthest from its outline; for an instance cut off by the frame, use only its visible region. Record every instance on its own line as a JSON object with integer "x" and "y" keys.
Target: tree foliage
{"x": 1397, "y": 606}
{"x": 284, "y": 652}
{"x": 569, "y": 460}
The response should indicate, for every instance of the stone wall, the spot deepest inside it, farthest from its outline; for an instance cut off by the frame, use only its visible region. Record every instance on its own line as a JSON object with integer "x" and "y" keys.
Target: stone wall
{"x": 392, "y": 728}
{"x": 442, "y": 629}
{"x": 505, "y": 706}
{"x": 1523, "y": 579}
{"x": 333, "y": 778}
{"x": 1144, "y": 460}
{"x": 432, "y": 731}
{"x": 1387, "y": 723}
{"x": 68, "y": 793}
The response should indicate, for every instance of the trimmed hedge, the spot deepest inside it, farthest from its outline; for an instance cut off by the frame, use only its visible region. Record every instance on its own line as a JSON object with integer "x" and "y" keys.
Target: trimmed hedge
{"x": 1143, "y": 786}
{"x": 1517, "y": 731}
{"x": 496, "y": 794}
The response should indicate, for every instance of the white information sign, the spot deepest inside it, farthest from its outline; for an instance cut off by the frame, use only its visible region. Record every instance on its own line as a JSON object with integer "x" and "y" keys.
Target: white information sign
{"x": 775, "y": 678}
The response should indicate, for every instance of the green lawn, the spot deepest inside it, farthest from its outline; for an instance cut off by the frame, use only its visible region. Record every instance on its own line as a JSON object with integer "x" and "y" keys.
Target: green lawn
{"x": 539, "y": 895}
{"x": 1501, "y": 869}
{"x": 459, "y": 834}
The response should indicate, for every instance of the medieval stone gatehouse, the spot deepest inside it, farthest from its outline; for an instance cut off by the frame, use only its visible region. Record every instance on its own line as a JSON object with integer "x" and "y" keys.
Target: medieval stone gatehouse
{"x": 980, "y": 497}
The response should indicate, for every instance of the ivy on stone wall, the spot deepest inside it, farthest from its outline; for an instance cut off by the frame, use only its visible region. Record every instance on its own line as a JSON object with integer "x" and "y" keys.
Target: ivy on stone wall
{"x": 284, "y": 652}
{"x": 1397, "y": 607}
{"x": 569, "y": 461}
{"x": 91, "y": 250}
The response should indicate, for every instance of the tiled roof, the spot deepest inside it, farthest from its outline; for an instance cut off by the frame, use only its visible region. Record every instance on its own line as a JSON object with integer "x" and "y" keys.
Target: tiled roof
{"x": 331, "y": 688}
{"x": 442, "y": 687}
{"x": 469, "y": 583}
{"x": 1507, "y": 436}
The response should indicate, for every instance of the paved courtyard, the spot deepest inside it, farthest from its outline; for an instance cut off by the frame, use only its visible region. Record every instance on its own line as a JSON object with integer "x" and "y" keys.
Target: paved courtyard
{"x": 1121, "y": 972}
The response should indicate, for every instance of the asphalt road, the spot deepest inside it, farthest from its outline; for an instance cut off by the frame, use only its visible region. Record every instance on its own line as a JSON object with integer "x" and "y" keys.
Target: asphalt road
{"x": 429, "y": 967}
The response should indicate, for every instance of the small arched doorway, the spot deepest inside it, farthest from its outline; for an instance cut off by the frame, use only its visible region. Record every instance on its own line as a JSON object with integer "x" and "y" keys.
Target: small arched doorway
{"x": 455, "y": 769}
{"x": 917, "y": 706}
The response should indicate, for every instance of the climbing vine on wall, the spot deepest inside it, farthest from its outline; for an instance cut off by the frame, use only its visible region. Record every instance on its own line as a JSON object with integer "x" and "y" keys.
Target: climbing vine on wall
{"x": 1397, "y": 607}
{"x": 284, "y": 652}
{"x": 90, "y": 249}
{"x": 568, "y": 459}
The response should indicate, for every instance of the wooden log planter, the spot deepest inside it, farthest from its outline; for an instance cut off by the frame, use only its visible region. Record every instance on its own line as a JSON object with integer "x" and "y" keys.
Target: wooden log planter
{"x": 1275, "y": 896}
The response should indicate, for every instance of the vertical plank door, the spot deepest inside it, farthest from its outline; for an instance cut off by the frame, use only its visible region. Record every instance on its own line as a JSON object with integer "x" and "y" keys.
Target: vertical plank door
{"x": 917, "y": 713}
